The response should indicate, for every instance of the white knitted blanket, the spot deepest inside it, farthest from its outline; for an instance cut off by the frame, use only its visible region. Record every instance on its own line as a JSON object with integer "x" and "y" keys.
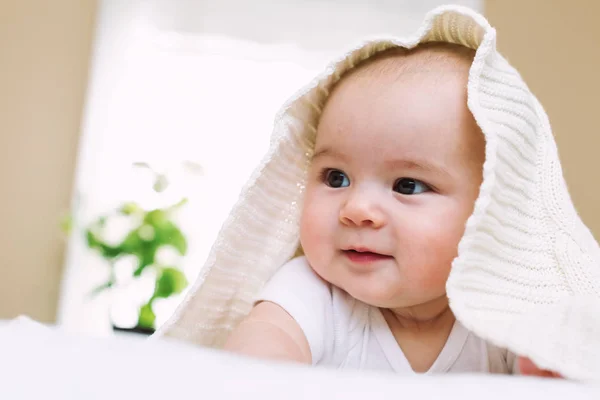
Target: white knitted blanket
{"x": 527, "y": 276}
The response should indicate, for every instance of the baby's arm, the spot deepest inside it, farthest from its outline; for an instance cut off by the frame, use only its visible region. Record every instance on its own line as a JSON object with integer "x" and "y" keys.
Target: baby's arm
{"x": 269, "y": 332}
{"x": 519, "y": 365}
{"x": 527, "y": 367}
{"x": 292, "y": 319}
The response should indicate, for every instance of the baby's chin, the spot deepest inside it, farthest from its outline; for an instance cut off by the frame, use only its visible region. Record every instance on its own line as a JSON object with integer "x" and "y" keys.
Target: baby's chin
{"x": 397, "y": 302}
{"x": 394, "y": 297}
{"x": 376, "y": 299}
{"x": 379, "y": 294}
{"x": 380, "y": 288}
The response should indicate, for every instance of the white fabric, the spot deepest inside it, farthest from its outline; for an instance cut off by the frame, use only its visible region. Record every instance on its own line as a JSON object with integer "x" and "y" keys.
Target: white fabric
{"x": 42, "y": 363}
{"x": 527, "y": 275}
{"x": 344, "y": 333}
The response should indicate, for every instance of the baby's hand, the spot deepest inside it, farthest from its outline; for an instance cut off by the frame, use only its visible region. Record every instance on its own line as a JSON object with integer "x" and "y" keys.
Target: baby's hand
{"x": 527, "y": 367}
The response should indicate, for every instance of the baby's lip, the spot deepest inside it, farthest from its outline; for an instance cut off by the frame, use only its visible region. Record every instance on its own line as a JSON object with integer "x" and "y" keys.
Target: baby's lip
{"x": 362, "y": 249}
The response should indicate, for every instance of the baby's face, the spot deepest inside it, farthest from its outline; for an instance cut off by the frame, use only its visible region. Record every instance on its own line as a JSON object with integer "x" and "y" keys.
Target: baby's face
{"x": 396, "y": 172}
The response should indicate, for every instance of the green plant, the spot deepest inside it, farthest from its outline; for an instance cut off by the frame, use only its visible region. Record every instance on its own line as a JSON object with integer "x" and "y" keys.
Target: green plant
{"x": 151, "y": 230}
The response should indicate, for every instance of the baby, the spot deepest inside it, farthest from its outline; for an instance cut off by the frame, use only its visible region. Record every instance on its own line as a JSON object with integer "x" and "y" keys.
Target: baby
{"x": 409, "y": 216}
{"x": 395, "y": 173}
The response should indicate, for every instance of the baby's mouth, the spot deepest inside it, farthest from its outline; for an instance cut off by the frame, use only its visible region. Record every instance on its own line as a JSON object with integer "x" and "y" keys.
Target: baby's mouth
{"x": 364, "y": 255}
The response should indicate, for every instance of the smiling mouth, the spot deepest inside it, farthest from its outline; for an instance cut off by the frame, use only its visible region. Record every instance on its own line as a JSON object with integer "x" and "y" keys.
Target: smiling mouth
{"x": 364, "y": 256}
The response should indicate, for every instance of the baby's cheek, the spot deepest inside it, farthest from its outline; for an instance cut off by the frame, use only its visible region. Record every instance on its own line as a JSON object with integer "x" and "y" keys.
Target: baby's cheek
{"x": 315, "y": 241}
{"x": 444, "y": 227}
{"x": 433, "y": 246}
{"x": 313, "y": 229}
{"x": 429, "y": 272}
{"x": 434, "y": 279}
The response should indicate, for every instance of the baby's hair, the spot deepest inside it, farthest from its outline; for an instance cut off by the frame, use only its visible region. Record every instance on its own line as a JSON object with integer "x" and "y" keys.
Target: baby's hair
{"x": 437, "y": 57}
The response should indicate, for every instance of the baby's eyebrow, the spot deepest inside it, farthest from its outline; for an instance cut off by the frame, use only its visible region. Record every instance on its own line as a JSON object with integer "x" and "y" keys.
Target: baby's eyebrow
{"x": 418, "y": 165}
{"x": 328, "y": 152}
{"x": 423, "y": 166}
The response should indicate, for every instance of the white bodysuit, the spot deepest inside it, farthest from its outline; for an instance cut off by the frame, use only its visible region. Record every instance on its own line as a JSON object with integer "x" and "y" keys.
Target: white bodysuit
{"x": 343, "y": 332}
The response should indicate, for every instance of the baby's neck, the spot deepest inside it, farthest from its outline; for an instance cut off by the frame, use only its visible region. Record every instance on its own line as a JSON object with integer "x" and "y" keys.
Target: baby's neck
{"x": 427, "y": 316}
{"x": 421, "y": 333}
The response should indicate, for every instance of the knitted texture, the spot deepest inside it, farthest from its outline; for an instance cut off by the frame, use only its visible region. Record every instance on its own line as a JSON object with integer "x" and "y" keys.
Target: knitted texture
{"x": 527, "y": 274}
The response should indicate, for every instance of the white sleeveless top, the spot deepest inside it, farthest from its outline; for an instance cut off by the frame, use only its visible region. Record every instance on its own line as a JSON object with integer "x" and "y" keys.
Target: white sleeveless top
{"x": 343, "y": 332}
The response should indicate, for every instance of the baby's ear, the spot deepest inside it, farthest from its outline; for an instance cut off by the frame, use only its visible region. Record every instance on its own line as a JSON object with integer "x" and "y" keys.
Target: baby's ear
{"x": 528, "y": 368}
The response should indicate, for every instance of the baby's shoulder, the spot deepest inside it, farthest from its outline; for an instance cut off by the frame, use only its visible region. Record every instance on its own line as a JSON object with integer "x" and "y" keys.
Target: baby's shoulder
{"x": 295, "y": 284}
{"x": 297, "y": 275}
{"x": 317, "y": 306}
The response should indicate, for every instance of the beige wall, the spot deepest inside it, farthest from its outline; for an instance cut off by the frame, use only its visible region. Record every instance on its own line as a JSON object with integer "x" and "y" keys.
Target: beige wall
{"x": 555, "y": 44}
{"x": 44, "y": 53}
{"x": 44, "y": 57}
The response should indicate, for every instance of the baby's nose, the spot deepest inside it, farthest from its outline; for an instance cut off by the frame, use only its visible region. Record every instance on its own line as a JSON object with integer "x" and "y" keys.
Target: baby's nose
{"x": 362, "y": 209}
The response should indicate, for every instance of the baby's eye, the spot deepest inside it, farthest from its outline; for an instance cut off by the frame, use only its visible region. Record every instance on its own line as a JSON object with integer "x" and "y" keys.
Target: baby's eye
{"x": 410, "y": 186}
{"x": 335, "y": 178}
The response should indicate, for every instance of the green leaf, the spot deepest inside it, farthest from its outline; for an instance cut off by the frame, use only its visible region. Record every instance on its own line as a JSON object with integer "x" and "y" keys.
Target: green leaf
{"x": 145, "y": 261}
{"x": 106, "y": 251}
{"x": 146, "y": 233}
{"x": 169, "y": 234}
{"x": 132, "y": 243}
{"x": 130, "y": 208}
{"x": 177, "y": 205}
{"x": 147, "y": 317}
{"x": 146, "y": 254}
{"x": 156, "y": 218}
{"x": 92, "y": 240}
{"x": 177, "y": 240}
{"x": 170, "y": 281}
{"x": 165, "y": 231}
{"x": 161, "y": 183}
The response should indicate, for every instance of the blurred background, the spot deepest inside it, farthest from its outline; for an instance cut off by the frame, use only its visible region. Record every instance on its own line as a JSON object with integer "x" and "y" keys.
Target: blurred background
{"x": 127, "y": 129}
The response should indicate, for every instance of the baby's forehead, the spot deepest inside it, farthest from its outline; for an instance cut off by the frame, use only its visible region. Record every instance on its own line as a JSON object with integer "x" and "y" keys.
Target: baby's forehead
{"x": 415, "y": 98}
{"x": 420, "y": 74}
